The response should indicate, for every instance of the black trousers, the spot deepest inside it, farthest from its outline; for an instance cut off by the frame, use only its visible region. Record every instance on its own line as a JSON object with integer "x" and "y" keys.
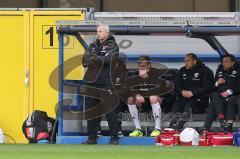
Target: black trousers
{"x": 184, "y": 104}
{"x": 118, "y": 110}
{"x": 219, "y": 105}
{"x": 238, "y": 106}
{"x": 111, "y": 116}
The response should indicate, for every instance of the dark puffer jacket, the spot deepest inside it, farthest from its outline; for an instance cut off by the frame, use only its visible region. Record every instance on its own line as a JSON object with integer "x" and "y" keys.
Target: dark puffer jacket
{"x": 199, "y": 80}
{"x": 231, "y": 77}
{"x": 99, "y": 59}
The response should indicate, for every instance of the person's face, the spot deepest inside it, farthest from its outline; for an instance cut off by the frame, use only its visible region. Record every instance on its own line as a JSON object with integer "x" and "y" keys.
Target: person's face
{"x": 189, "y": 62}
{"x": 227, "y": 63}
{"x": 102, "y": 34}
{"x": 144, "y": 65}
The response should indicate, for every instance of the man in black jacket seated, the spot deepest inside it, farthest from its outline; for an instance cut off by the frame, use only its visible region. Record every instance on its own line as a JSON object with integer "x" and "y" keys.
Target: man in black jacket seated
{"x": 193, "y": 84}
{"x": 223, "y": 99}
{"x": 99, "y": 60}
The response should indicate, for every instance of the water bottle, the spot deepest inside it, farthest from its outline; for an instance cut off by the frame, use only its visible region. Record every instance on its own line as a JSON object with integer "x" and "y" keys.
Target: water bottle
{"x": 195, "y": 139}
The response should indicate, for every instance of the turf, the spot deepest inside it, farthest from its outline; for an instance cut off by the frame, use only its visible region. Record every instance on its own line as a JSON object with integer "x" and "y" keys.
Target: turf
{"x": 115, "y": 152}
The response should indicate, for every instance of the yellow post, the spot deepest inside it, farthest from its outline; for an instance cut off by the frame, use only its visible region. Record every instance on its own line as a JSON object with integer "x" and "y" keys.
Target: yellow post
{"x": 44, "y": 56}
{"x": 14, "y": 65}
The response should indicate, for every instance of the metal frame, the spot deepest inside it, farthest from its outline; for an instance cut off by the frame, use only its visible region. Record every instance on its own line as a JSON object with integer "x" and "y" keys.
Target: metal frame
{"x": 206, "y": 33}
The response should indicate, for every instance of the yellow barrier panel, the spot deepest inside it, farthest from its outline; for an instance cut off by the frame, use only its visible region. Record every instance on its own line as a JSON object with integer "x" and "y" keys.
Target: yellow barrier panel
{"x": 44, "y": 56}
{"x": 29, "y": 49}
{"x": 13, "y": 63}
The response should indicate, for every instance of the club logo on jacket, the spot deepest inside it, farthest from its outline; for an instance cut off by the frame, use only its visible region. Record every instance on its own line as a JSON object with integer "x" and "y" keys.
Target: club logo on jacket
{"x": 233, "y": 74}
{"x": 220, "y": 74}
{"x": 196, "y": 75}
{"x": 184, "y": 76}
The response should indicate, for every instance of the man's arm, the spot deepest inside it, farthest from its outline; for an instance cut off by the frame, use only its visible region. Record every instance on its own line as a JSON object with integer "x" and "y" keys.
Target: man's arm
{"x": 207, "y": 83}
{"x": 178, "y": 83}
{"x": 111, "y": 49}
{"x": 89, "y": 55}
{"x": 218, "y": 80}
{"x": 235, "y": 89}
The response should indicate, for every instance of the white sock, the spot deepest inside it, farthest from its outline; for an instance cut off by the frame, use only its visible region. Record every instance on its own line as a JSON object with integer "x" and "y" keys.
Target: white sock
{"x": 134, "y": 114}
{"x": 156, "y": 109}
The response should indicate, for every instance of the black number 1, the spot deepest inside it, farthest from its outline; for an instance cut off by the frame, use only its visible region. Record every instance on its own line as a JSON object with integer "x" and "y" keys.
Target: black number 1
{"x": 50, "y": 31}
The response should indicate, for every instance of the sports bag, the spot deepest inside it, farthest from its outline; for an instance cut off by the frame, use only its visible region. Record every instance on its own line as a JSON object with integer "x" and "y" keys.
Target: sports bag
{"x": 38, "y": 126}
{"x": 221, "y": 139}
{"x": 168, "y": 137}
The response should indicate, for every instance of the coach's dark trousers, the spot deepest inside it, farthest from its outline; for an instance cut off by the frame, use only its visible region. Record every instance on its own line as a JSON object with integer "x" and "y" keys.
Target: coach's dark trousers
{"x": 111, "y": 117}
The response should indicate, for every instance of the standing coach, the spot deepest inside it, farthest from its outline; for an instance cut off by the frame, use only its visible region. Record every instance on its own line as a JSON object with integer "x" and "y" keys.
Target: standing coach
{"x": 98, "y": 75}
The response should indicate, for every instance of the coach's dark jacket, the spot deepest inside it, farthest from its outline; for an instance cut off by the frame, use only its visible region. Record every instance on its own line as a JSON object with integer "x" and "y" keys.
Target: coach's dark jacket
{"x": 232, "y": 79}
{"x": 199, "y": 80}
{"x": 98, "y": 60}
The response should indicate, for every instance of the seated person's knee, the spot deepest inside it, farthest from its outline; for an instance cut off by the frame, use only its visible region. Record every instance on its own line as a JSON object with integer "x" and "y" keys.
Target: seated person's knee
{"x": 131, "y": 101}
{"x": 155, "y": 99}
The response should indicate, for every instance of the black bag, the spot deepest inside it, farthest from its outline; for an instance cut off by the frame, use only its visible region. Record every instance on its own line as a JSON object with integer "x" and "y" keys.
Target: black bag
{"x": 38, "y": 126}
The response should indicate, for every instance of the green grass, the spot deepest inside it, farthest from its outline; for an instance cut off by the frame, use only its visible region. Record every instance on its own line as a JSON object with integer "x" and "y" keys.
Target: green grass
{"x": 115, "y": 152}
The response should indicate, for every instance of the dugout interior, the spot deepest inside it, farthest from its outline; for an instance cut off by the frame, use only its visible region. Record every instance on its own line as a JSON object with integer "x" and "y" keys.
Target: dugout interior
{"x": 165, "y": 37}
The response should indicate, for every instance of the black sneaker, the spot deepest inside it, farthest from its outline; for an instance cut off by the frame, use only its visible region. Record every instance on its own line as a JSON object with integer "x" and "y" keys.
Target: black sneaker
{"x": 90, "y": 141}
{"x": 201, "y": 130}
{"x": 173, "y": 124}
{"x": 113, "y": 140}
{"x": 177, "y": 125}
{"x": 120, "y": 134}
{"x": 99, "y": 133}
{"x": 223, "y": 123}
{"x": 228, "y": 128}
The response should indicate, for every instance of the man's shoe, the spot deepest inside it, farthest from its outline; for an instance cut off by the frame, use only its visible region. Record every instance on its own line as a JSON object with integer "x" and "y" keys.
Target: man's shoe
{"x": 177, "y": 125}
{"x": 120, "y": 134}
{"x": 228, "y": 128}
{"x": 90, "y": 141}
{"x": 223, "y": 123}
{"x": 113, "y": 140}
{"x": 136, "y": 133}
{"x": 99, "y": 133}
{"x": 155, "y": 133}
{"x": 201, "y": 130}
{"x": 173, "y": 124}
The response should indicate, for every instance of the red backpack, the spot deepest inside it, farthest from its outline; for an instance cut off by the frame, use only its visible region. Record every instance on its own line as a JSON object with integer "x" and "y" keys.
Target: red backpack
{"x": 216, "y": 139}
{"x": 168, "y": 137}
{"x": 221, "y": 139}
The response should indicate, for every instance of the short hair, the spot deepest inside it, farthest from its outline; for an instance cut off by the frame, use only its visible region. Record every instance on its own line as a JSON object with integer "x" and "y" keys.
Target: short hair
{"x": 144, "y": 58}
{"x": 105, "y": 26}
{"x": 194, "y": 56}
{"x": 232, "y": 57}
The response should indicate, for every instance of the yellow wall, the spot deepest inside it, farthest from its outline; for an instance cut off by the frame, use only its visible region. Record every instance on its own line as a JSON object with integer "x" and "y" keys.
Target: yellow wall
{"x": 13, "y": 64}
{"x": 25, "y": 49}
{"x": 44, "y": 57}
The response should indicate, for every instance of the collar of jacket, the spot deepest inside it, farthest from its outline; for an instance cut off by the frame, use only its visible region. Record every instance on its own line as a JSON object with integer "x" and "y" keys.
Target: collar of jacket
{"x": 231, "y": 69}
{"x": 197, "y": 66}
{"x": 110, "y": 38}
